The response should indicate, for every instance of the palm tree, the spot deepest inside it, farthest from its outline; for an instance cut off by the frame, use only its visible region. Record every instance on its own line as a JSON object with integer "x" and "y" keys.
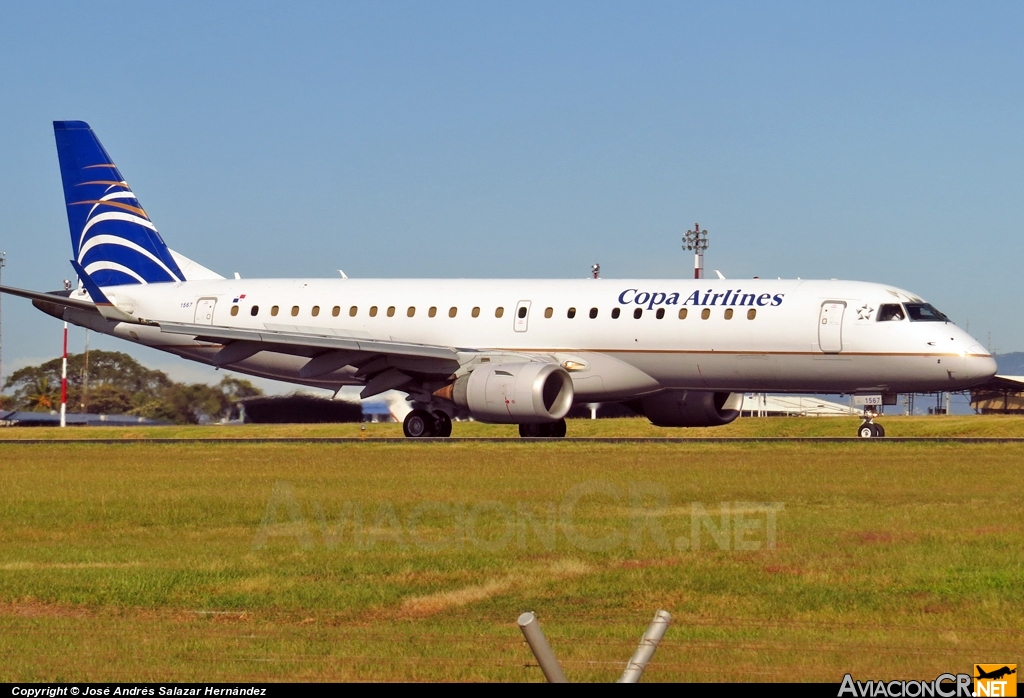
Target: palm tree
{"x": 41, "y": 397}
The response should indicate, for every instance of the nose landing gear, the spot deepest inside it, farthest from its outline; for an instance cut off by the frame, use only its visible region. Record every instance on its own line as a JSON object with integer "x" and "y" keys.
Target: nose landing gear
{"x": 868, "y": 429}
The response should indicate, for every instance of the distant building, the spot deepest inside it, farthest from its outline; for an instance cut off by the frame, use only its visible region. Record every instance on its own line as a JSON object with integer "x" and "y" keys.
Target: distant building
{"x": 1004, "y": 395}
{"x": 754, "y": 405}
{"x": 295, "y": 409}
{"x": 764, "y": 405}
{"x": 52, "y": 419}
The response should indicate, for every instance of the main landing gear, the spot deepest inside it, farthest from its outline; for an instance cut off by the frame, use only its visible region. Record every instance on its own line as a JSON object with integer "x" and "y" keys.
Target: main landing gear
{"x": 868, "y": 429}
{"x": 550, "y": 430}
{"x": 420, "y": 424}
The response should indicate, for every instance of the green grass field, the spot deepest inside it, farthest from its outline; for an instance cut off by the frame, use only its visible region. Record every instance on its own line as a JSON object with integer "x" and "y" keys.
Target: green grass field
{"x": 970, "y": 426}
{"x": 387, "y": 561}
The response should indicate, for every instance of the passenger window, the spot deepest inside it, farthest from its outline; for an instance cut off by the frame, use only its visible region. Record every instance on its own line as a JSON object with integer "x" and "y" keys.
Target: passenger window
{"x": 273, "y": 311}
{"x": 615, "y": 313}
{"x": 522, "y": 312}
{"x": 411, "y": 311}
{"x": 498, "y": 312}
{"x": 432, "y": 312}
{"x": 638, "y": 313}
{"x": 572, "y": 313}
{"x": 476, "y": 312}
{"x": 373, "y": 311}
{"x": 751, "y": 314}
{"x": 391, "y": 311}
{"x": 353, "y": 310}
{"x": 315, "y": 311}
{"x": 705, "y": 314}
{"x": 453, "y": 311}
{"x": 234, "y": 310}
{"x": 682, "y": 313}
{"x": 254, "y": 311}
{"x": 336, "y": 311}
{"x": 728, "y": 313}
{"x": 890, "y": 311}
{"x": 593, "y": 313}
{"x": 660, "y": 314}
{"x": 548, "y": 312}
{"x": 295, "y": 311}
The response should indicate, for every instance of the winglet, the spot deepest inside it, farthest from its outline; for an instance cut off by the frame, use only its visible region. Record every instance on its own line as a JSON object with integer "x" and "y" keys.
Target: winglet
{"x": 103, "y": 304}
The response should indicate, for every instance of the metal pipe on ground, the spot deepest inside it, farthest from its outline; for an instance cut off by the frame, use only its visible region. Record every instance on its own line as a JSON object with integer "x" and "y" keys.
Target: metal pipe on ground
{"x": 541, "y": 649}
{"x": 648, "y": 643}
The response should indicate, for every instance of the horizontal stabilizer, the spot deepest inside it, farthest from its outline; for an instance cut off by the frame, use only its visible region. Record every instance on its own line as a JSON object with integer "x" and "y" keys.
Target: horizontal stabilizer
{"x": 53, "y": 298}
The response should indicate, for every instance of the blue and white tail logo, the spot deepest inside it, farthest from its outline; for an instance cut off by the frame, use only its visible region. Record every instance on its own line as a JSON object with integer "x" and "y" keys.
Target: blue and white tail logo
{"x": 112, "y": 237}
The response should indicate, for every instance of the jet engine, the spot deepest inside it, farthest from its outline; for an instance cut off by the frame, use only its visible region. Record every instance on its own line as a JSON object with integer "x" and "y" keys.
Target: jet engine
{"x": 690, "y": 408}
{"x": 518, "y": 393}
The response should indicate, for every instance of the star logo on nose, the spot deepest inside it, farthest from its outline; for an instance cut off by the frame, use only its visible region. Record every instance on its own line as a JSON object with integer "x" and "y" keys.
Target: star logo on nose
{"x": 864, "y": 312}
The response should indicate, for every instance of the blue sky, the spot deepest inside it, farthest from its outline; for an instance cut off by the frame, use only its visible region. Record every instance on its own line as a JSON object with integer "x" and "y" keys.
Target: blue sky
{"x": 874, "y": 141}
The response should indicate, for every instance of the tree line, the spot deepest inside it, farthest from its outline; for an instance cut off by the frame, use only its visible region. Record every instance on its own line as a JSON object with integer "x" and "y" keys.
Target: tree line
{"x": 111, "y": 382}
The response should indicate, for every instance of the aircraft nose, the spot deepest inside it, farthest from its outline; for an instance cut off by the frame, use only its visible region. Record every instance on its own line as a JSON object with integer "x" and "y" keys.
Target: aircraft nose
{"x": 979, "y": 364}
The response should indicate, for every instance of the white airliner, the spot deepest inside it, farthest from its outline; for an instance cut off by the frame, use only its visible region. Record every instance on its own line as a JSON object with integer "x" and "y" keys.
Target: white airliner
{"x": 514, "y": 351}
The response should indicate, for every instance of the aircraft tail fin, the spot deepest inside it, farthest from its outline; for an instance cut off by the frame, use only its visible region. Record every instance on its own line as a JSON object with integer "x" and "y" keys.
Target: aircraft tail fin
{"x": 112, "y": 238}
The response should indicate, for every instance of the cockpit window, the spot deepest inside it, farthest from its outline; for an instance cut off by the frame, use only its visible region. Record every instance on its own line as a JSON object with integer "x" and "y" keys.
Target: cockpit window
{"x": 890, "y": 311}
{"x": 925, "y": 312}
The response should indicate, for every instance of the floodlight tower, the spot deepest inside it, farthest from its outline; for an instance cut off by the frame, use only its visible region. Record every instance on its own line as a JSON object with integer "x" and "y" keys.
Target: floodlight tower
{"x": 696, "y": 240}
{"x": 3, "y": 261}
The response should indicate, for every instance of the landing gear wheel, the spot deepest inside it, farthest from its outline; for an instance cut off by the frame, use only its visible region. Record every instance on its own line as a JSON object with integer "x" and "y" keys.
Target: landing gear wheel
{"x": 419, "y": 424}
{"x": 443, "y": 424}
{"x": 870, "y": 430}
{"x": 558, "y": 429}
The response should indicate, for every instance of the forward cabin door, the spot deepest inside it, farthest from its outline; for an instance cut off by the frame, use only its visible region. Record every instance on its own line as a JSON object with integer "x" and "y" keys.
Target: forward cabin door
{"x": 522, "y": 317}
{"x": 204, "y": 311}
{"x": 830, "y": 326}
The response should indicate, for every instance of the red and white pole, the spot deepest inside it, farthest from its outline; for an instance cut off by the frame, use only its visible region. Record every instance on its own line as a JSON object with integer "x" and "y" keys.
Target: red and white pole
{"x": 64, "y": 381}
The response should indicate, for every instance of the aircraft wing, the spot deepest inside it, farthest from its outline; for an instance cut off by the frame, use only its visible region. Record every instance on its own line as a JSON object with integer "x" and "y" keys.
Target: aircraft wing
{"x": 383, "y": 364}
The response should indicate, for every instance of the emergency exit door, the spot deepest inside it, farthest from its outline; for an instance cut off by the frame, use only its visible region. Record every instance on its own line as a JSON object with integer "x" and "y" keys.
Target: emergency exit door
{"x": 830, "y": 326}
{"x": 522, "y": 318}
{"x": 204, "y": 311}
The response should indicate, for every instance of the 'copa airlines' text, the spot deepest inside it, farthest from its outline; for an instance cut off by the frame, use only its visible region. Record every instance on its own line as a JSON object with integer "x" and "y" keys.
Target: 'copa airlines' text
{"x": 709, "y": 297}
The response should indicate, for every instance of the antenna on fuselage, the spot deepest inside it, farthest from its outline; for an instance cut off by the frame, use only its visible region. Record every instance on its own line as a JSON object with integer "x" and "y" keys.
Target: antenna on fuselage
{"x": 595, "y": 269}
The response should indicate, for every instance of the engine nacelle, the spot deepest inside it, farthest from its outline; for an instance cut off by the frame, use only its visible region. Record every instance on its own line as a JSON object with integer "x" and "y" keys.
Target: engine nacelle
{"x": 520, "y": 393}
{"x": 691, "y": 408}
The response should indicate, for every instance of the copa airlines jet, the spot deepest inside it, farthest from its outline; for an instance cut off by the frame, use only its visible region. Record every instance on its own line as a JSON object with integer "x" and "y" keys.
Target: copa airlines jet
{"x": 510, "y": 351}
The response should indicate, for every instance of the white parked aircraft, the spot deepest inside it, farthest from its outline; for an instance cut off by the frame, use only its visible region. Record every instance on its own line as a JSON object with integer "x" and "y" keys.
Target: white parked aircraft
{"x": 680, "y": 351}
